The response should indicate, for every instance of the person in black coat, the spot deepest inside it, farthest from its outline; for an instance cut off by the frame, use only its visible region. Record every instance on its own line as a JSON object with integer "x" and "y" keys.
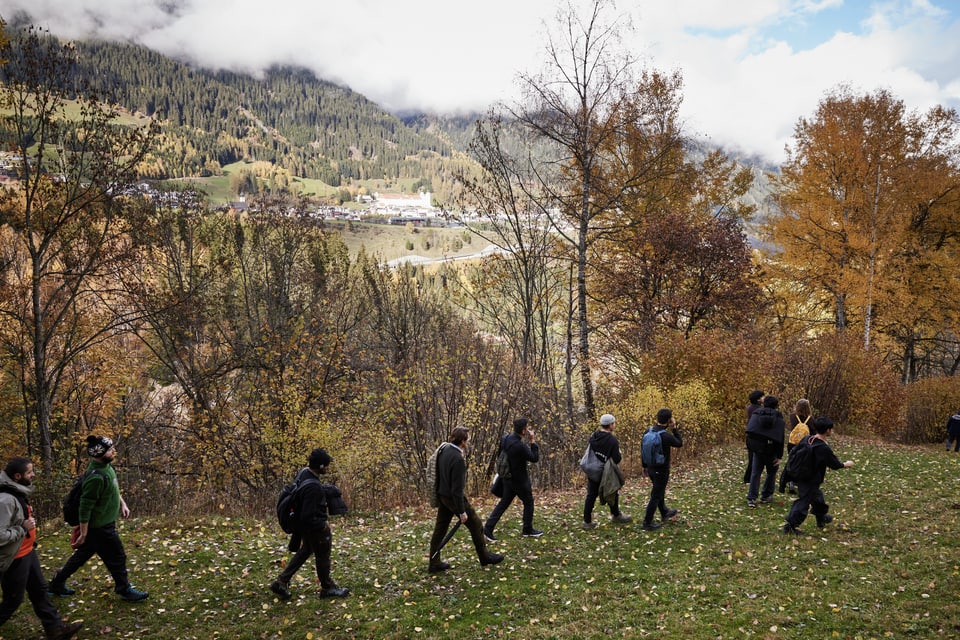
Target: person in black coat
{"x": 809, "y": 495}
{"x": 313, "y": 531}
{"x": 755, "y": 398}
{"x": 604, "y": 446}
{"x": 765, "y": 435}
{"x": 518, "y": 484}
{"x": 953, "y": 432}
{"x": 453, "y": 502}
{"x": 660, "y": 474}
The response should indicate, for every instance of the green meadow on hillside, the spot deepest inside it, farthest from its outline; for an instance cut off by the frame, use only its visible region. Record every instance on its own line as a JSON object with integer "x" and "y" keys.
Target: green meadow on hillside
{"x": 888, "y": 567}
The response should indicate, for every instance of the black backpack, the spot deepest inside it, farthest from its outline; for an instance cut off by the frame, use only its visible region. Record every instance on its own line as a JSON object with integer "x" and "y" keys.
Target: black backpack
{"x": 288, "y": 504}
{"x": 801, "y": 464}
{"x": 71, "y": 504}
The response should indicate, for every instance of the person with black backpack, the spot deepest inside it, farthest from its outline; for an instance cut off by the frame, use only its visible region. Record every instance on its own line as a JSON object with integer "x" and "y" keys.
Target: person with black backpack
{"x": 655, "y": 455}
{"x": 516, "y": 480}
{"x": 817, "y": 456}
{"x": 100, "y": 506}
{"x": 19, "y": 564}
{"x": 311, "y": 532}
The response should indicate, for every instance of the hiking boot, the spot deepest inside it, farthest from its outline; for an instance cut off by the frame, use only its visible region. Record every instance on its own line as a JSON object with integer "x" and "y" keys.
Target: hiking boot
{"x": 587, "y": 526}
{"x": 281, "y": 589}
{"x": 670, "y": 514}
{"x": 492, "y": 558}
{"x": 824, "y": 520}
{"x": 438, "y": 567}
{"x": 621, "y": 518}
{"x": 63, "y": 631}
{"x": 789, "y": 529}
{"x": 132, "y": 594}
{"x": 533, "y": 533}
{"x": 489, "y": 536}
{"x": 334, "y": 592}
{"x": 651, "y": 526}
{"x": 60, "y": 589}
{"x": 752, "y": 504}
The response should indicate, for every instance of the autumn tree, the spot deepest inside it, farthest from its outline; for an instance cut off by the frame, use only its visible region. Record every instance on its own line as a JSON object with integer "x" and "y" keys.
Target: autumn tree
{"x": 63, "y": 220}
{"x": 867, "y": 193}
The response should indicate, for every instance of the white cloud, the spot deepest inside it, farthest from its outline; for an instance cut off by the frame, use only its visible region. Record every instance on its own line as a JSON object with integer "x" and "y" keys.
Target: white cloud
{"x": 745, "y": 83}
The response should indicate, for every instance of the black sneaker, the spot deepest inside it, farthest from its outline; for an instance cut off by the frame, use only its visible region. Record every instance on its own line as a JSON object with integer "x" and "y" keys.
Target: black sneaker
{"x": 790, "y": 530}
{"x": 438, "y": 567}
{"x": 533, "y": 533}
{"x": 752, "y": 504}
{"x": 60, "y": 589}
{"x": 489, "y": 536}
{"x": 766, "y": 500}
{"x": 132, "y": 594}
{"x": 671, "y": 513}
{"x": 824, "y": 520}
{"x": 651, "y": 526}
{"x": 492, "y": 558}
{"x": 334, "y": 592}
{"x": 281, "y": 589}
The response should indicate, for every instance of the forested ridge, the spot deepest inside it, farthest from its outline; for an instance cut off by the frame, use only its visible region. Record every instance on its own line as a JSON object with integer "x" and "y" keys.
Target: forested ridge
{"x": 310, "y": 127}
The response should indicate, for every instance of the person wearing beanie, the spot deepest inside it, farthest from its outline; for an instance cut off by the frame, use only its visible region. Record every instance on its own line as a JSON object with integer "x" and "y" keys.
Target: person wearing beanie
{"x": 765, "y": 436}
{"x": 313, "y": 536}
{"x": 809, "y": 494}
{"x": 517, "y": 483}
{"x": 19, "y": 563}
{"x": 100, "y": 506}
{"x": 605, "y": 446}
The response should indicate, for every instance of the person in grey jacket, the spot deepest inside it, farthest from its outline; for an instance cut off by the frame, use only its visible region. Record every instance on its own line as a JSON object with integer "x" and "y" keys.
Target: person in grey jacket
{"x": 19, "y": 564}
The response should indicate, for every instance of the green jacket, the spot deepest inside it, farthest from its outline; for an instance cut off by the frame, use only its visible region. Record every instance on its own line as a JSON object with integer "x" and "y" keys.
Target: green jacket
{"x": 100, "y": 496}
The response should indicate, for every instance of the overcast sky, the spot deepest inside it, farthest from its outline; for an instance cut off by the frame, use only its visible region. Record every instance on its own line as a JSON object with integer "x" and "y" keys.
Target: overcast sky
{"x": 751, "y": 68}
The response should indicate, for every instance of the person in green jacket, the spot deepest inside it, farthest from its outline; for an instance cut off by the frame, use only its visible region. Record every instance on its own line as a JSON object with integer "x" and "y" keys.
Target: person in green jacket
{"x": 100, "y": 506}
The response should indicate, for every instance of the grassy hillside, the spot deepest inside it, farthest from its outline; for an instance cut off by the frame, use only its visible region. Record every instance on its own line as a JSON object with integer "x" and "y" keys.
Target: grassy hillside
{"x": 888, "y": 567}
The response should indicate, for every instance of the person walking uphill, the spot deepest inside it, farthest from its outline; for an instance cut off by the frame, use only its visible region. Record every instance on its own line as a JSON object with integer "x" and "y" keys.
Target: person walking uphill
{"x": 19, "y": 564}
{"x": 605, "y": 446}
{"x": 659, "y": 470}
{"x": 765, "y": 434}
{"x": 518, "y": 483}
{"x": 312, "y": 536}
{"x": 809, "y": 494}
{"x": 452, "y": 502}
{"x": 100, "y": 506}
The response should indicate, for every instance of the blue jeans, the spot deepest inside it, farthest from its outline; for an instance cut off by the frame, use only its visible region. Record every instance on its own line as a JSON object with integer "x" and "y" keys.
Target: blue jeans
{"x": 759, "y": 465}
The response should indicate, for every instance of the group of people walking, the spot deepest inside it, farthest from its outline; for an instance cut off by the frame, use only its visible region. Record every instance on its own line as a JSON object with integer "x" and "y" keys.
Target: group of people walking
{"x": 100, "y": 504}
{"x": 766, "y": 434}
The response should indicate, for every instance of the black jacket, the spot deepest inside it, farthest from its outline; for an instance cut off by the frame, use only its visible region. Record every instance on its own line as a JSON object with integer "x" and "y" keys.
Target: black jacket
{"x": 452, "y": 476}
{"x": 518, "y": 455}
{"x": 823, "y": 457}
{"x": 605, "y": 445}
{"x": 668, "y": 439}
{"x": 765, "y": 432}
{"x": 313, "y": 502}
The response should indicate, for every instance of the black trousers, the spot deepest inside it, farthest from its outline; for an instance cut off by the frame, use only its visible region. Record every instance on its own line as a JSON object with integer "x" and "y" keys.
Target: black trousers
{"x": 659, "y": 479}
{"x": 446, "y": 512}
{"x": 104, "y": 542}
{"x": 25, "y": 577}
{"x": 319, "y": 545}
{"x": 512, "y": 490}
{"x": 809, "y": 496}
{"x": 593, "y": 492}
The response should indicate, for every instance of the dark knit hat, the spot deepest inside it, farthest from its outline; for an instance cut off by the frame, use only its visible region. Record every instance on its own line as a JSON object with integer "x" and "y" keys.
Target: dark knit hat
{"x": 318, "y": 459}
{"x": 98, "y": 445}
